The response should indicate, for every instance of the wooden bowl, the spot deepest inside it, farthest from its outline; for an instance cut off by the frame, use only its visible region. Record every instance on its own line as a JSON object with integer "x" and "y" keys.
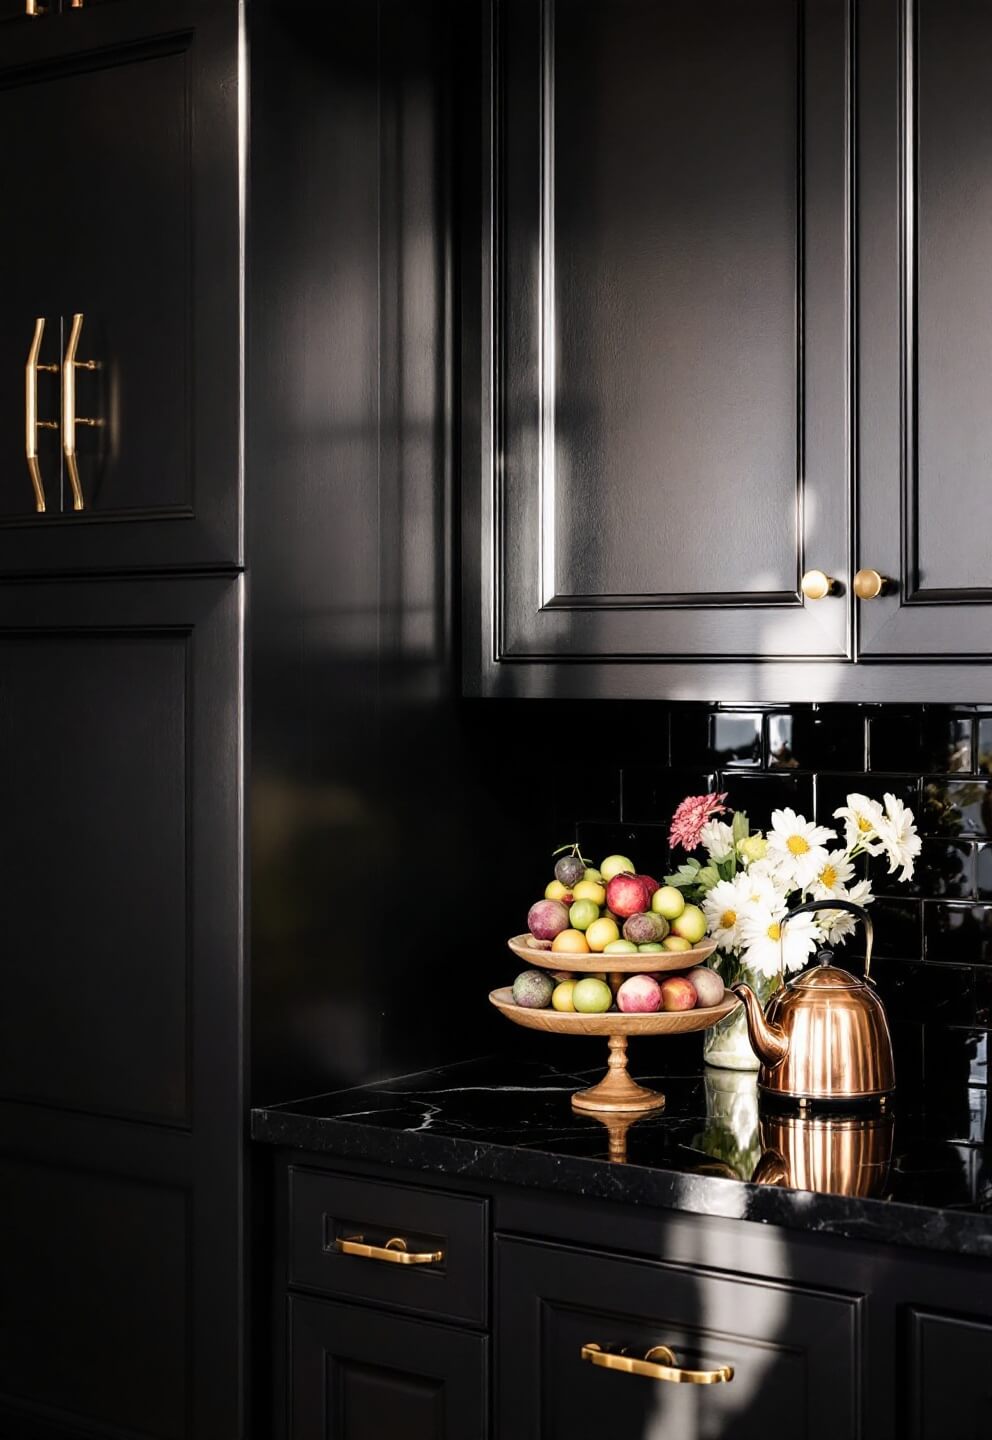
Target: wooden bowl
{"x": 596, "y": 963}
{"x": 612, "y": 1022}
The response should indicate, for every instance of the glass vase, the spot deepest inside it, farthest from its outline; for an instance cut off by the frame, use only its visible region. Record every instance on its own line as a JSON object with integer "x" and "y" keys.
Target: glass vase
{"x": 726, "y": 1044}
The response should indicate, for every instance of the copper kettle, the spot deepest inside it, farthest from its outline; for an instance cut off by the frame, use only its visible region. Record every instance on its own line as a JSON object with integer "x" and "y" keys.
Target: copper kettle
{"x": 825, "y": 1037}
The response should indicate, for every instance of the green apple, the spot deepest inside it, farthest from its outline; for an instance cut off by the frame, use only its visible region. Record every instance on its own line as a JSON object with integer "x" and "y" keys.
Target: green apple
{"x": 690, "y": 925}
{"x": 622, "y": 947}
{"x": 675, "y": 942}
{"x": 592, "y": 997}
{"x": 652, "y": 948}
{"x": 617, "y": 865}
{"x": 591, "y": 873}
{"x": 668, "y": 901}
{"x": 582, "y": 913}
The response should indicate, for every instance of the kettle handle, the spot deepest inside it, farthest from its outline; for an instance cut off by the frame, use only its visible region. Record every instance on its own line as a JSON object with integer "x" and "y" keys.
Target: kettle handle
{"x": 852, "y": 908}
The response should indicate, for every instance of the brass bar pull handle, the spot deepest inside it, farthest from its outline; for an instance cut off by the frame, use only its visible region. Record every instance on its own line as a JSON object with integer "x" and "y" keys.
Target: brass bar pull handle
{"x": 394, "y": 1252}
{"x": 659, "y": 1363}
{"x": 69, "y": 417}
{"x": 31, "y": 422}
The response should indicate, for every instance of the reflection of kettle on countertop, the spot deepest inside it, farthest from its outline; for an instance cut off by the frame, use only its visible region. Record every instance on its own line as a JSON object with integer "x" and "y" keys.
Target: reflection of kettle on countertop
{"x": 825, "y": 1037}
{"x": 835, "y": 1155}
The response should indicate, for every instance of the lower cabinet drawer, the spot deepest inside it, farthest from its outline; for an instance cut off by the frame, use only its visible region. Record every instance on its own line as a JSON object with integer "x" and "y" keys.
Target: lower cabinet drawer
{"x": 395, "y": 1245}
{"x": 361, "y": 1374}
{"x": 793, "y": 1352}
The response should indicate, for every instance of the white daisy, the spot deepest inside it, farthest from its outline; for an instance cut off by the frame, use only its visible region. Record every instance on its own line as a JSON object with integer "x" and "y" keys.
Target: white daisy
{"x": 837, "y": 925}
{"x": 833, "y": 877}
{"x": 796, "y": 847}
{"x": 861, "y": 818}
{"x": 724, "y": 907}
{"x": 897, "y": 833}
{"x": 717, "y": 839}
{"x": 768, "y": 949}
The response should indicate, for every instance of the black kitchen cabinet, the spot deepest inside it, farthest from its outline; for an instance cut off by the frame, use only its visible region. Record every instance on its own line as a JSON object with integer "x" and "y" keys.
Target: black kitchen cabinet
{"x": 706, "y": 375}
{"x": 127, "y": 186}
{"x": 950, "y": 1362}
{"x": 120, "y": 1032}
{"x": 359, "y": 1374}
{"x": 791, "y": 1351}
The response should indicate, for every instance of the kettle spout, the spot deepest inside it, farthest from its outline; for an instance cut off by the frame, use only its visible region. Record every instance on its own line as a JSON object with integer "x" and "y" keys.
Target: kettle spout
{"x": 768, "y": 1040}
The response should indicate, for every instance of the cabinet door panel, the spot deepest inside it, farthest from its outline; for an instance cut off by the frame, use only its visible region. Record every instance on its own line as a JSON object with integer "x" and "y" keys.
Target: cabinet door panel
{"x": 669, "y": 333}
{"x": 364, "y": 1374}
{"x": 120, "y": 1034}
{"x": 134, "y": 226}
{"x": 926, "y": 326}
{"x": 949, "y": 1362}
{"x": 793, "y": 1352}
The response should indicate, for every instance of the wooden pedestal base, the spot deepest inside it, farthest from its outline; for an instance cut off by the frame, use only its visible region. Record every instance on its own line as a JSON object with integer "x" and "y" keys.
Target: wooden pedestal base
{"x": 617, "y": 1093}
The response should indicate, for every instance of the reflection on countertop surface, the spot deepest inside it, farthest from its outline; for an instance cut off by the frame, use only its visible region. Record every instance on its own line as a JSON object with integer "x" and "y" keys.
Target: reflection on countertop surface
{"x": 921, "y": 1176}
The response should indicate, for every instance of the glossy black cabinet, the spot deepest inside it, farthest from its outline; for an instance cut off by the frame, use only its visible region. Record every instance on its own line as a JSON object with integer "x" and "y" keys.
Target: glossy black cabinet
{"x": 361, "y": 1375}
{"x": 120, "y": 1035}
{"x": 135, "y": 226}
{"x": 703, "y": 364}
{"x": 789, "y": 1350}
{"x": 950, "y": 1360}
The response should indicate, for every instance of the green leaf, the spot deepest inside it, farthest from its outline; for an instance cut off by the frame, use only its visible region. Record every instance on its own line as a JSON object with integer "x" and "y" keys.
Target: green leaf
{"x": 708, "y": 877}
{"x": 685, "y": 876}
{"x": 741, "y": 826}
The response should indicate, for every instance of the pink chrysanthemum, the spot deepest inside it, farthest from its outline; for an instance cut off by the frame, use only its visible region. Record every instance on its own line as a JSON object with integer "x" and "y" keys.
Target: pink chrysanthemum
{"x": 691, "y": 816}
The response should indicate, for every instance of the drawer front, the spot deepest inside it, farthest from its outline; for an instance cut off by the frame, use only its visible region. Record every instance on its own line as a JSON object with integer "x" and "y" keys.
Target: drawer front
{"x": 948, "y": 1362}
{"x": 794, "y": 1353}
{"x": 327, "y": 1210}
{"x": 360, "y": 1375}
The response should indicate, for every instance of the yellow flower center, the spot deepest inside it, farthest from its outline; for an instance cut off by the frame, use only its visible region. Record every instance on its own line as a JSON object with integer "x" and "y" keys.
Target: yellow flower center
{"x": 828, "y": 876}
{"x": 774, "y": 931}
{"x": 797, "y": 844}
{"x": 864, "y": 824}
{"x": 728, "y": 919}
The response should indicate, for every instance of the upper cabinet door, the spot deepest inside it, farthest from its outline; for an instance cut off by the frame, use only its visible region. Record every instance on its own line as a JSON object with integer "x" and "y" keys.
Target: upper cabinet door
{"x": 122, "y": 150}
{"x": 925, "y": 326}
{"x": 665, "y": 436}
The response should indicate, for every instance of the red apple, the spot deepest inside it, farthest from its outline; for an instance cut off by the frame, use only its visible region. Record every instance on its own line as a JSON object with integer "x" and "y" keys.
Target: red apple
{"x": 639, "y": 993}
{"x": 678, "y": 993}
{"x": 650, "y": 883}
{"x": 627, "y": 895}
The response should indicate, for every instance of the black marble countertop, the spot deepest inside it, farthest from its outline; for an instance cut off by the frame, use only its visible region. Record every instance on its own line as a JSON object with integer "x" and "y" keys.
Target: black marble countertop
{"x": 923, "y": 1176}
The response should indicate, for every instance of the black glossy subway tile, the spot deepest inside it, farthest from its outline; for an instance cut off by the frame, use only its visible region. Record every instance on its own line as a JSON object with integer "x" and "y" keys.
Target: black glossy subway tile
{"x": 955, "y": 1057}
{"x": 944, "y": 869}
{"x": 984, "y": 744}
{"x": 832, "y": 792}
{"x": 957, "y": 934}
{"x": 824, "y": 737}
{"x": 983, "y": 871}
{"x": 590, "y": 791}
{"x": 907, "y": 1047}
{"x": 983, "y": 995}
{"x": 690, "y": 735}
{"x": 957, "y": 807}
{"x": 937, "y": 739}
{"x": 916, "y": 990}
{"x": 736, "y": 738}
{"x": 649, "y": 794}
{"x": 898, "y": 929}
{"x": 646, "y": 845}
{"x": 760, "y": 794}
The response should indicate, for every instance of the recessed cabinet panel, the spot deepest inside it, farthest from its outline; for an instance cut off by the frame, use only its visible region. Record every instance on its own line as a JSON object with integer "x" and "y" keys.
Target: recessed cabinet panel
{"x": 669, "y": 332}
{"x": 94, "y": 784}
{"x": 125, "y": 186}
{"x": 949, "y": 1365}
{"x": 94, "y": 1271}
{"x": 793, "y": 1352}
{"x": 925, "y": 225}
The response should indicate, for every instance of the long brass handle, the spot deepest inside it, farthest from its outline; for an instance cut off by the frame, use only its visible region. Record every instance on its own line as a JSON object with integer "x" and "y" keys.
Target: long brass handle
{"x": 816, "y": 584}
{"x": 869, "y": 584}
{"x": 31, "y": 422}
{"x": 394, "y": 1252}
{"x": 659, "y": 1363}
{"x": 69, "y": 417}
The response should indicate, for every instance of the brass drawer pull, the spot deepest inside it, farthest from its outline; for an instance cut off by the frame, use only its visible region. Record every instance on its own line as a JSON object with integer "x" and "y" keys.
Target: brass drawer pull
{"x": 394, "y": 1251}
{"x": 31, "y": 422}
{"x": 659, "y": 1363}
{"x": 69, "y": 417}
{"x": 869, "y": 584}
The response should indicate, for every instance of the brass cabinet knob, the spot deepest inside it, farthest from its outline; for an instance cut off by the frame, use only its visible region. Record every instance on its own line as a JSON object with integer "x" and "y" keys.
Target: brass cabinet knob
{"x": 815, "y": 584}
{"x": 868, "y": 584}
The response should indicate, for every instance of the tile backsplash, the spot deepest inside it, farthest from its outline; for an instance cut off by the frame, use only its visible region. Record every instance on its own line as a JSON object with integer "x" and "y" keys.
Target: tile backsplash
{"x": 933, "y": 935}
